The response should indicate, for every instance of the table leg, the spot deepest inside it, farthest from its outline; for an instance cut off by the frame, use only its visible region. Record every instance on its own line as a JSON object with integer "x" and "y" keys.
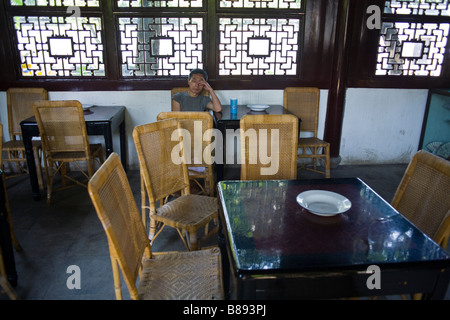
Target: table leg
{"x": 123, "y": 145}
{"x": 27, "y": 142}
{"x": 225, "y": 262}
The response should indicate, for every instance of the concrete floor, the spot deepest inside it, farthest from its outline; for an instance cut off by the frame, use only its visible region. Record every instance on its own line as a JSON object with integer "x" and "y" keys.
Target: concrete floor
{"x": 68, "y": 232}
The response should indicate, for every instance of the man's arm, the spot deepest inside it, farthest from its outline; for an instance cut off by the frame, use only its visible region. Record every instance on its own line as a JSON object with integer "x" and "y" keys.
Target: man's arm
{"x": 215, "y": 105}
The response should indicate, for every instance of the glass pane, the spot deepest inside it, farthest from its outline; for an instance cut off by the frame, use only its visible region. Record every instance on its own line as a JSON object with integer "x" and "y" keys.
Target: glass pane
{"x": 160, "y": 46}
{"x": 258, "y": 46}
{"x": 42, "y": 55}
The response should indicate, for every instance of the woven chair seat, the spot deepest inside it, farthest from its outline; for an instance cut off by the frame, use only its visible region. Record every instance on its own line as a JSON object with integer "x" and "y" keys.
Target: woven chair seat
{"x": 17, "y": 145}
{"x": 312, "y": 142}
{"x": 181, "y": 276}
{"x": 77, "y": 155}
{"x": 188, "y": 212}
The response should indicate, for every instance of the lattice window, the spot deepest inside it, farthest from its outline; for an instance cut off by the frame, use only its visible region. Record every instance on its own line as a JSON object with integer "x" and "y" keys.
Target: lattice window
{"x": 270, "y": 4}
{"x": 253, "y": 44}
{"x": 56, "y": 3}
{"x": 409, "y": 45}
{"x": 160, "y": 3}
{"x": 160, "y": 46}
{"x": 418, "y": 7}
{"x": 60, "y": 45}
{"x": 258, "y": 46}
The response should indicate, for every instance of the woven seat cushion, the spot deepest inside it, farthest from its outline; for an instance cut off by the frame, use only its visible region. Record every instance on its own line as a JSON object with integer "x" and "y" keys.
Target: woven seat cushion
{"x": 182, "y": 275}
{"x": 312, "y": 142}
{"x": 188, "y": 211}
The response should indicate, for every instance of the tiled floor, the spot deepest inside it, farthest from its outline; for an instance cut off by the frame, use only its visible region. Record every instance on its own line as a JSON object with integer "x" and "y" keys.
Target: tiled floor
{"x": 68, "y": 232}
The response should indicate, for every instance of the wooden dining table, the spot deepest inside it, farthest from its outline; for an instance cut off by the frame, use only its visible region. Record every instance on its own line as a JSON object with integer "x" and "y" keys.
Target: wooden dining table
{"x": 100, "y": 120}
{"x": 225, "y": 120}
{"x": 274, "y": 248}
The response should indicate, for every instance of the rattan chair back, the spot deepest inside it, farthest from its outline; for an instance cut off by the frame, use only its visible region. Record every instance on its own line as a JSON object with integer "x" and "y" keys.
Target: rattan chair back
{"x": 20, "y": 107}
{"x": 161, "y": 158}
{"x": 199, "y": 125}
{"x": 162, "y": 275}
{"x": 304, "y": 103}
{"x": 423, "y": 195}
{"x": 62, "y": 126}
{"x": 116, "y": 208}
{"x": 260, "y": 134}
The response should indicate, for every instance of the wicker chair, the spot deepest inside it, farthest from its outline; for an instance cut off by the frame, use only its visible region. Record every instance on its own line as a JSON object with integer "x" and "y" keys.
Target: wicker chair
{"x": 423, "y": 195}
{"x": 14, "y": 240}
{"x": 253, "y": 127}
{"x": 163, "y": 275}
{"x": 20, "y": 107}
{"x": 183, "y": 89}
{"x": 304, "y": 103}
{"x": 163, "y": 175}
{"x": 64, "y": 139}
{"x": 200, "y": 166}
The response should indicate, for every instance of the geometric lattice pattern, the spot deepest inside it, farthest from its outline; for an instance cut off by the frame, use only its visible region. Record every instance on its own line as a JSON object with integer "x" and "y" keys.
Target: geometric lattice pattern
{"x": 259, "y": 46}
{"x": 412, "y": 49}
{"x": 55, "y": 3}
{"x": 60, "y": 46}
{"x": 159, "y": 4}
{"x": 166, "y": 46}
{"x": 418, "y": 7}
{"x": 267, "y": 4}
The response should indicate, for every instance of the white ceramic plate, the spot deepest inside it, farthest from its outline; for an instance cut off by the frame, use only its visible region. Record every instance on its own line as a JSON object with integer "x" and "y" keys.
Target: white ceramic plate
{"x": 258, "y": 107}
{"x": 323, "y": 203}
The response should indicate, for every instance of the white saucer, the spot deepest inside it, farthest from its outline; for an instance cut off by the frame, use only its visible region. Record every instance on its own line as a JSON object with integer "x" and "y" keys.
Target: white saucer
{"x": 323, "y": 203}
{"x": 258, "y": 107}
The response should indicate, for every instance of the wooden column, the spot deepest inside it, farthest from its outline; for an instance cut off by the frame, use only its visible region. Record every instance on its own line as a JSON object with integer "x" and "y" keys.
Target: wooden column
{"x": 336, "y": 95}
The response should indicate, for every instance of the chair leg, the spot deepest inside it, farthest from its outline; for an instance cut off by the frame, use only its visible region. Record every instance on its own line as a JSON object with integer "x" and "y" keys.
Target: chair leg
{"x": 327, "y": 162}
{"x": 193, "y": 241}
{"x": 14, "y": 239}
{"x": 37, "y": 160}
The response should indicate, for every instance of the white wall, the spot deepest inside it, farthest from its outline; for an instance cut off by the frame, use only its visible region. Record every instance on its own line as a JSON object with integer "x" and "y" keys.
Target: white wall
{"x": 380, "y": 125}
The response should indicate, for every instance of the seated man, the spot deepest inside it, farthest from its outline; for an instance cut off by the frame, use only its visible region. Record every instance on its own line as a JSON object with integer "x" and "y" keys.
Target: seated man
{"x": 193, "y": 100}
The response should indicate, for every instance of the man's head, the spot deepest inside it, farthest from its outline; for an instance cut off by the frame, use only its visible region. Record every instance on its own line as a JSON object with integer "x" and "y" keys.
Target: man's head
{"x": 196, "y": 81}
{"x": 199, "y": 72}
